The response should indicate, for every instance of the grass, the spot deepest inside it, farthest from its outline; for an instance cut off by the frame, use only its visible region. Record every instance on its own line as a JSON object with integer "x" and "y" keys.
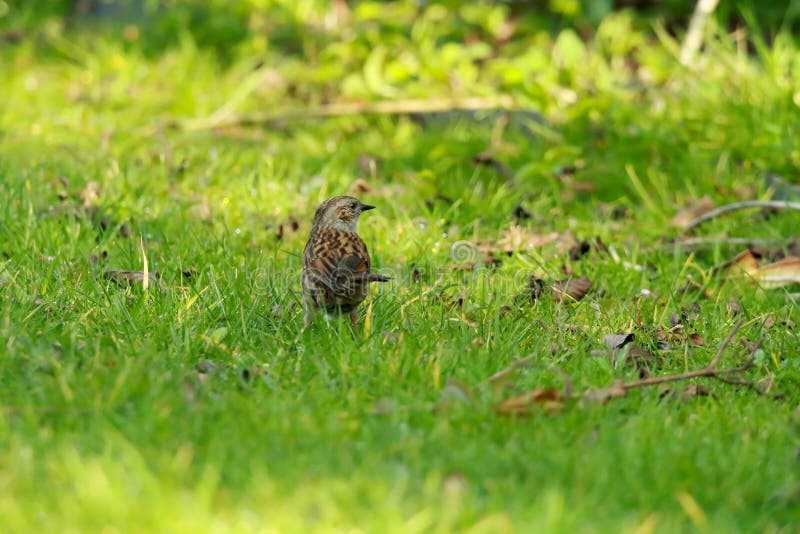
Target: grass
{"x": 105, "y": 420}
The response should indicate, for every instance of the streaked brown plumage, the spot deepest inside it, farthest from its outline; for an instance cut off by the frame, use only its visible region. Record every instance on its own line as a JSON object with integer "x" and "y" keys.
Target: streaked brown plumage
{"x": 336, "y": 265}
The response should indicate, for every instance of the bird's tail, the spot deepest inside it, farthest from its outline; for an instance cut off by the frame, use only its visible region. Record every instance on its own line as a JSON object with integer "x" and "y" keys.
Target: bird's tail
{"x": 371, "y": 277}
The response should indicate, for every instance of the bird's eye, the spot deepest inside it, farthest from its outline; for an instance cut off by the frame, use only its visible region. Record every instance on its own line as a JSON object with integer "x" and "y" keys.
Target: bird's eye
{"x": 354, "y": 205}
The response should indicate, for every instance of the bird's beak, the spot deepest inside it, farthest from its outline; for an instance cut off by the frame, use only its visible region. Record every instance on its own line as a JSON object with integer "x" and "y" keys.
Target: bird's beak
{"x": 366, "y": 207}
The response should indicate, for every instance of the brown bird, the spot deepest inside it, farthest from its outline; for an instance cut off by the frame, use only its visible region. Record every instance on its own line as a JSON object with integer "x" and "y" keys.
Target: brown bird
{"x": 336, "y": 267}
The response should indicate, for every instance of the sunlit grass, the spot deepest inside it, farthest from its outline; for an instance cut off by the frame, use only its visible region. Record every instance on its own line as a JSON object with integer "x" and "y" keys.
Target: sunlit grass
{"x": 200, "y": 405}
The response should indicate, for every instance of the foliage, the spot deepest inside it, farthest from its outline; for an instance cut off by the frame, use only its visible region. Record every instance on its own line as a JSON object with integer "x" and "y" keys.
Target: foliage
{"x": 199, "y": 404}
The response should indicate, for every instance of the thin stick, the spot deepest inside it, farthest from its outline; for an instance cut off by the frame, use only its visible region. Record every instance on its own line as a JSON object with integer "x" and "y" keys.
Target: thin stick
{"x": 725, "y": 343}
{"x": 694, "y": 37}
{"x": 694, "y": 243}
{"x": 499, "y": 375}
{"x": 683, "y": 376}
{"x": 774, "y": 204}
{"x": 388, "y": 107}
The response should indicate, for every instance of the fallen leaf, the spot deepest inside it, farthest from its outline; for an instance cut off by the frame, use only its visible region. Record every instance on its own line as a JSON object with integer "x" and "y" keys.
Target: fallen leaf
{"x": 779, "y": 274}
{"x": 550, "y": 399}
{"x": 744, "y": 262}
{"x": 218, "y": 334}
{"x": 454, "y": 483}
{"x": 574, "y": 288}
{"x": 416, "y": 274}
{"x": 770, "y": 276}
{"x": 97, "y": 258}
{"x": 486, "y": 159}
{"x": 205, "y": 366}
{"x": 454, "y": 392}
{"x": 132, "y": 278}
{"x": 361, "y": 186}
{"x": 579, "y": 250}
{"x": 90, "y": 193}
{"x": 286, "y": 228}
{"x": 642, "y": 359}
{"x": 503, "y": 378}
{"x": 517, "y": 238}
{"x": 734, "y": 308}
{"x": 284, "y": 310}
{"x": 693, "y": 285}
{"x": 614, "y": 391}
{"x": 696, "y": 340}
{"x": 765, "y": 385}
{"x": 782, "y": 189}
{"x": 521, "y": 214}
{"x": 384, "y": 406}
{"x": 569, "y": 289}
{"x": 751, "y": 346}
{"x": 684, "y": 217}
{"x": 695, "y": 390}
{"x": 617, "y": 341}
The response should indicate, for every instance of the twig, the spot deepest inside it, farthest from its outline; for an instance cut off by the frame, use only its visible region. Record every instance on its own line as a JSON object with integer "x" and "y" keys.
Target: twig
{"x": 774, "y": 204}
{"x": 389, "y": 107}
{"x": 683, "y": 376}
{"x": 619, "y": 388}
{"x": 694, "y": 243}
{"x": 694, "y": 36}
{"x": 502, "y": 374}
{"x": 725, "y": 343}
{"x": 736, "y": 381}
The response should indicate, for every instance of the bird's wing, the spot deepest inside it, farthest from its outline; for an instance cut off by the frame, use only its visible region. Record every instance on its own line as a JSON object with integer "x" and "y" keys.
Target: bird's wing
{"x": 333, "y": 253}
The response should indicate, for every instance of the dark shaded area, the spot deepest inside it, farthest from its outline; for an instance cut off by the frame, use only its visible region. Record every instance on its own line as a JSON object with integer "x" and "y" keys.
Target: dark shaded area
{"x": 221, "y": 25}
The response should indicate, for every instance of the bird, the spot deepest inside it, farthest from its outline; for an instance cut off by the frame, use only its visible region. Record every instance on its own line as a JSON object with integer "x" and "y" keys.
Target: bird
{"x": 336, "y": 266}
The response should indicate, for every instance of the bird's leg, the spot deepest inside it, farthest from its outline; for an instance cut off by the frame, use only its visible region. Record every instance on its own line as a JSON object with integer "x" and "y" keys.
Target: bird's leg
{"x": 308, "y": 304}
{"x": 354, "y": 318}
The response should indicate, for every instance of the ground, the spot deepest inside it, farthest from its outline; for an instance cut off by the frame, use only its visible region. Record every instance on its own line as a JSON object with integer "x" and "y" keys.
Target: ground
{"x": 199, "y": 403}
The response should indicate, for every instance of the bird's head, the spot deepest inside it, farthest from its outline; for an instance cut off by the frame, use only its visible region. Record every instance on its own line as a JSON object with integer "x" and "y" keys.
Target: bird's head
{"x": 340, "y": 212}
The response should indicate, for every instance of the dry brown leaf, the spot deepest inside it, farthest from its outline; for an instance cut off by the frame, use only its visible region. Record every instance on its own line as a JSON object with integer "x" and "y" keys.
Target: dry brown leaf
{"x": 550, "y": 399}
{"x": 384, "y": 406}
{"x": 692, "y": 212}
{"x": 518, "y": 238}
{"x": 765, "y": 385}
{"x": 521, "y": 214}
{"x": 692, "y": 390}
{"x": 574, "y": 288}
{"x": 132, "y": 278}
{"x": 779, "y": 274}
{"x": 286, "y": 228}
{"x": 90, "y": 193}
{"x": 284, "y": 310}
{"x": 486, "y": 158}
{"x": 614, "y": 391}
{"x": 205, "y": 367}
{"x": 770, "y": 276}
{"x": 454, "y": 392}
{"x": 617, "y": 341}
{"x": 642, "y": 359}
{"x": 569, "y": 289}
{"x": 360, "y": 185}
{"x": 580, "y": 250}
{"x": 503, "y": 378}
{"x": 744, "y": 262}
{"x": 696, "y": 340}
{"x": 454, "y": 483}
{"x": 695, "y": 390}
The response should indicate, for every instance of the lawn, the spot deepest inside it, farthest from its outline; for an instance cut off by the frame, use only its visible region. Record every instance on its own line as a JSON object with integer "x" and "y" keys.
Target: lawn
{"x": 192, "y": 145}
